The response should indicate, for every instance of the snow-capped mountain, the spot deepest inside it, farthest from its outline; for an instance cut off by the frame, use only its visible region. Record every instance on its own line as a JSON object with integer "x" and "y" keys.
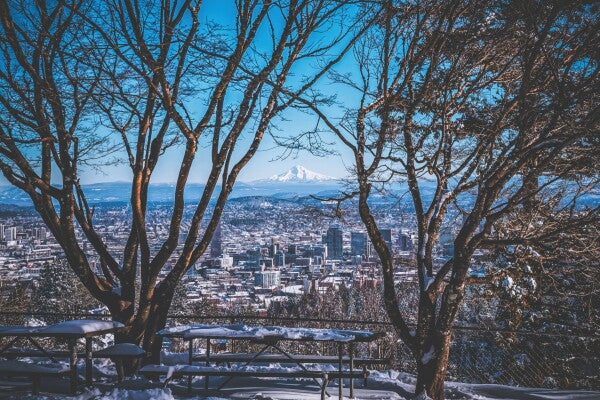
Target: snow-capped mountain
{"x": 300, "y": 174}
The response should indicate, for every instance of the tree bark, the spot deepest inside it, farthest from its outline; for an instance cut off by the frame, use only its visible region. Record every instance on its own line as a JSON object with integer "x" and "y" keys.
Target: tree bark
{"x": 432, "y": 367}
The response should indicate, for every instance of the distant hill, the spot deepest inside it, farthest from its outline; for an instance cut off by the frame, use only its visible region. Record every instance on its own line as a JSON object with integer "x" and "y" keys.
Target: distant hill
{"x": 294, "y": 184}
{"x": 299, "y": 182}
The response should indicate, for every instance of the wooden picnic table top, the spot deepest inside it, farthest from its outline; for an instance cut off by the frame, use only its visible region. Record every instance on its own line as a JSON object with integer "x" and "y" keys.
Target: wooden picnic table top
{"x": 268, "y": 333}
{"x": 69, "y": 329}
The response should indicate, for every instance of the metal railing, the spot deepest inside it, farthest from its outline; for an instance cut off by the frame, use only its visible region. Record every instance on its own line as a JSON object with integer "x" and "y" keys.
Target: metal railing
{"x": 478, "y": 355}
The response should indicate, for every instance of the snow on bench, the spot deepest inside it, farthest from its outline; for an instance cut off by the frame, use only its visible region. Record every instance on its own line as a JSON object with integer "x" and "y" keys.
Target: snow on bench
{"x": 240, "y": 331}
{"x": 11, "y": 366}
{"x": 81, "y": 327}
{"x": 32, "y": 371}
{"x": 181, "y": 370}
{"x": 280, "y": 358}
{"x": 171, "y": 371}
{"x": 120, "y": 350}
{"x": 181, "y": 329}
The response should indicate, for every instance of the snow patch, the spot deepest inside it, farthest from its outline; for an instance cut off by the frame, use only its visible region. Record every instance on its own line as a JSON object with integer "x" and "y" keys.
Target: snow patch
{"x": 82, "y": 326}
{"x": 298, "y": 173}
{"x": 124, "y": 394}
{"x": 428, "y": 356}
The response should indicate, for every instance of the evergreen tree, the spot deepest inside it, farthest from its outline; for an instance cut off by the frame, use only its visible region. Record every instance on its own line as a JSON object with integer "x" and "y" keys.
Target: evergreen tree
{"x": 60, "y": 292}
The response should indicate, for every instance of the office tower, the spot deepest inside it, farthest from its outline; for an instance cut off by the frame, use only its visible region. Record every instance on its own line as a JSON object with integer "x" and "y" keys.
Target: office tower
{"x": 274, "y": 248}
{"x": 40, "y": 233}
{"x": 405, "y": 241}
{"x": 387, "y": 236}
{"x": 320, "y": 251}
{"x": 267, "y": 279}
{"x": 10, "y": 234}
{"x": 279, "y": 259}
{"x": 216, "y": 243}
{"x": 335, "y": 242}
{"x": 358, "y": 243}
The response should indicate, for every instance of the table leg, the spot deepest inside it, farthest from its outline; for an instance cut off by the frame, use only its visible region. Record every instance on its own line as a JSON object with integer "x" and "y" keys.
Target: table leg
{"x": 298, "y": 363}
{"x": 341, "y": 380}
{"x": 351, "y": 355}
{"x": 8, "y": 345}
{"x": 88, "y": 361}
{"x": 41, "y": 349}
{"x": 73, "y": 364}
{"x": 207, "y": 362}
{"x": 245, "y": 365}
{"x": 190, "y": 361}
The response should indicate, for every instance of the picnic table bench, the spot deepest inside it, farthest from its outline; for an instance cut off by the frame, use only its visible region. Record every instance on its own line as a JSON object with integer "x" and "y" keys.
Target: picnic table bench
{"x": 71, "y": 331}
{"x": 269, "y": 337}
{"x": 228, "y": 358}
{"x": 181, "y": 371}
{"x": 33, "y": 371}
{"x": 117, "y": 352}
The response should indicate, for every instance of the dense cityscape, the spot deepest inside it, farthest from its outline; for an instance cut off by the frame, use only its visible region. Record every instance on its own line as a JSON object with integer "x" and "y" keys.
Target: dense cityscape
{"x": 265, "y": 249}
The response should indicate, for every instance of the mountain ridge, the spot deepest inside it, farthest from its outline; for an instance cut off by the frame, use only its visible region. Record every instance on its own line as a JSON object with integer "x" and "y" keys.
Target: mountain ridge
{"x": 297, "y": 174}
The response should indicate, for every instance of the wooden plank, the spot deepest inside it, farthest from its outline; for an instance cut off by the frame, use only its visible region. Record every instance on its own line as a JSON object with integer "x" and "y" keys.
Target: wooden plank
{"x": 88, "y": 362}
{"x": 258, "y": 374}
{"x": 73, "y": 364}
{"x": 313, "y": 359}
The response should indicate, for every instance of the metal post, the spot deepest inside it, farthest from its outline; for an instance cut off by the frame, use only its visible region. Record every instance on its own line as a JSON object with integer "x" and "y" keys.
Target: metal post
{"x": 324, "y": 386}
{"x": 207, "y": 362}
{"x": 190, "y": 361}
{"x": 351, "y": 351}
{"x": 88, "y": 361}
{"x": 120, "y": 369}
{"x": 341, "y": 380}
{"x": 73, "y": 364}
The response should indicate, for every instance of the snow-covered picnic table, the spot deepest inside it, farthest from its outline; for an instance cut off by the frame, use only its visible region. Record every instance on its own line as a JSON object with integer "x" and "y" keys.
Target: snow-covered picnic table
{"x": 71, "y": 331}
{"x": 269, "y": 337}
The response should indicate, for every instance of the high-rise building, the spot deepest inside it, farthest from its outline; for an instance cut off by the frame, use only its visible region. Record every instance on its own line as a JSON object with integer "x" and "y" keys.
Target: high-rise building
{"x": 387, "y": 236}
{"x": 279, "y": 259}
{"x": 335, "y": 242}
{"x": 274, "y": 248}
{"x": 320, "y": 251}
{"x": 10, "y": 234}
{"x": 405, "y": 241}
{"x": 40, "y": 233}
{"x": 267, "y": 279}
{"x": 216, "y": 243}
{"x": 358, "y": 243}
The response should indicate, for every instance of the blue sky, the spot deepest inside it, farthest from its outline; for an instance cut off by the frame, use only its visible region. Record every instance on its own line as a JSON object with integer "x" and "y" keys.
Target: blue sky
{"x": 266, "y": 162}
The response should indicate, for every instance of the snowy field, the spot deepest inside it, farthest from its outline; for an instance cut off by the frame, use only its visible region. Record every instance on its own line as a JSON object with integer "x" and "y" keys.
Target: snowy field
{"x": 382, "y": 385}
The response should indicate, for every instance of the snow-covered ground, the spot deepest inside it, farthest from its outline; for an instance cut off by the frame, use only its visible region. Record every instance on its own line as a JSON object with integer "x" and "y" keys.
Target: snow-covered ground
{"x": 381, "y": 385}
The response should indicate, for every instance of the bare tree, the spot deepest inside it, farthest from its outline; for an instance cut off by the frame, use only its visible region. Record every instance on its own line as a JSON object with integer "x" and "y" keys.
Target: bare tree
{"x": 83, "y": 83}
{"x": 493, "y": 106}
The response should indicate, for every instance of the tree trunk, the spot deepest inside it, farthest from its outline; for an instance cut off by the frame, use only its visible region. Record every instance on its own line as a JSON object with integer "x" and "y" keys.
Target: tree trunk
{"x": 126, "y": 335}
{"x": 157, "y": 321}
{"x": 432, "y": 367}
